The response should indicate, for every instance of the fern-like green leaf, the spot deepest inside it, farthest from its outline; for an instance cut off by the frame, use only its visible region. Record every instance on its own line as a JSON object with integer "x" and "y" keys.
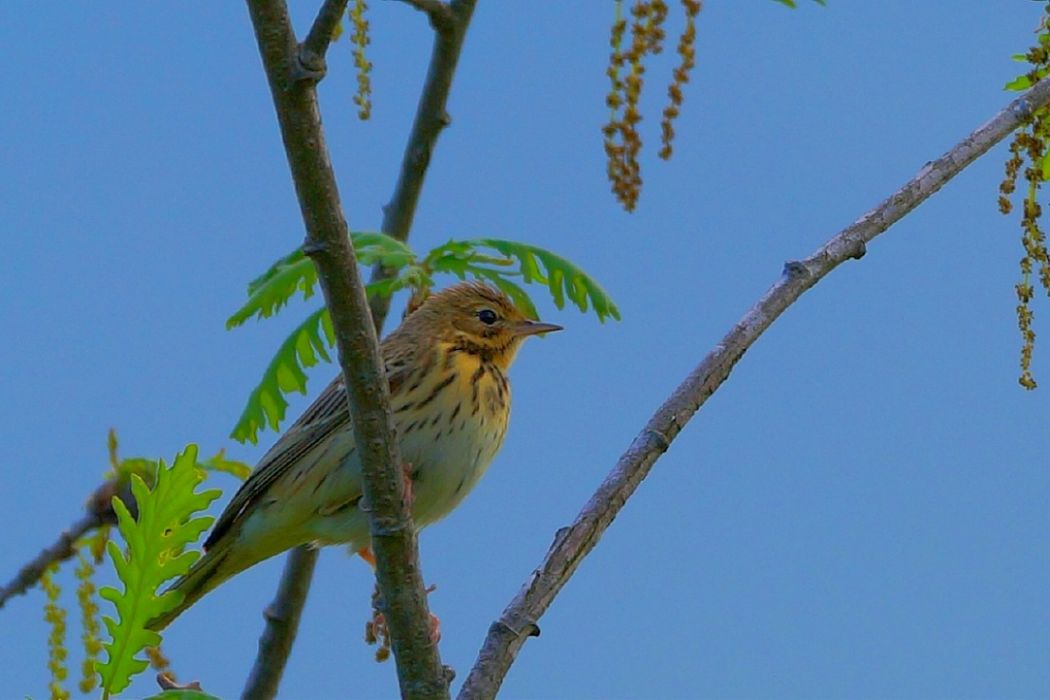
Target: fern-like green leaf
{"x": 493, "y": 260}
{"x": 155, "y": 554}
{"x": 294, "y": 272}
{"x": 219, "y": 463}
{"x": 562, "y": 278}
{"x": 285, "y": 374}
{"x": 275, "y": 287}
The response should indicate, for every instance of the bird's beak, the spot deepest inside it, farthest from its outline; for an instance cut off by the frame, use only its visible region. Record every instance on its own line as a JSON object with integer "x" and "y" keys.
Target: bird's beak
{"x": 527, "y": 328}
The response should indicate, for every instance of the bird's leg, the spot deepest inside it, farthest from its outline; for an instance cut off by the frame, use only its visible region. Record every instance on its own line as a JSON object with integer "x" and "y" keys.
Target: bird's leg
{"x": 377, "y": 631}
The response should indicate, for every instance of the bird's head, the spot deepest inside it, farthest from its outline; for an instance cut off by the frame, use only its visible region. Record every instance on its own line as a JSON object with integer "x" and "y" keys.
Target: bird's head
{"x": 477, "y": 319}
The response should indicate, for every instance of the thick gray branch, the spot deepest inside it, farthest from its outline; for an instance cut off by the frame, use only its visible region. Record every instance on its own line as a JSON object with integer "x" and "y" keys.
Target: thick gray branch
{"x": 571, "y": 544}
{"x": 420, "y": 672}
{"x": 275, "y": 644}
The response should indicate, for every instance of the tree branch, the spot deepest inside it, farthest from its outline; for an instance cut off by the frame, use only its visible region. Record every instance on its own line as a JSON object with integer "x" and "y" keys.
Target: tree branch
{"x": 508, "y": 634}
{"x": 314, "y": 48}
{"x": 282, "y": 623}
{"x": 438, "y": 11}
{"x": 63, "y": 548}
{"x": 99, "y": 512}
{"x": 420, "y": 672}
{"x": 431, "y": 119}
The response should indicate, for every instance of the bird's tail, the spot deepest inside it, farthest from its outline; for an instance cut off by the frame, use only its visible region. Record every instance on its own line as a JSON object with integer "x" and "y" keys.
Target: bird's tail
{"x": 207, "y": 573}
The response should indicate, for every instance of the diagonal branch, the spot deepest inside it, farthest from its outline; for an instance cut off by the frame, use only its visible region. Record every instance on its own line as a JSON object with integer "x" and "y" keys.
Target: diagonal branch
{"x": 99, "y": 512}
{"x": 518, "y": 622}
{"x": 431, "y": 119}
{"x": 398, "y": 575}
{"x": 63, "y": 548}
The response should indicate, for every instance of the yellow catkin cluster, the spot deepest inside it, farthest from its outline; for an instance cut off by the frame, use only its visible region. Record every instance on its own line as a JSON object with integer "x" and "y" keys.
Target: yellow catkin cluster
{"x": 91, "y": 633}
{"x": 687, "y": 56}
{"x": 55, "y": 616}
{"x": 1029, "y": 147}
{"x": 626, "y": 71}
{"x": 360, "y": 39}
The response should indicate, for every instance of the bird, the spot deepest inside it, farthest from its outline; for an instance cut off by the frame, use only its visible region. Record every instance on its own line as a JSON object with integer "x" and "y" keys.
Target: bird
{"x": 446, "y": 367}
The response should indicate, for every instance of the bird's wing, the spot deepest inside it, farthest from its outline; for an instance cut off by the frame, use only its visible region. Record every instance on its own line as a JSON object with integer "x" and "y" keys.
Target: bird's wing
{"x": 326, "y": 416}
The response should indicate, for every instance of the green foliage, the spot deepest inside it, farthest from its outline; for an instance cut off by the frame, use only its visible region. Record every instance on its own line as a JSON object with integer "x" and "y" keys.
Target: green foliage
{"x": 155, "y": 554}
{"x": 500, "y": 262}
{"x": 295, "y": 272}
{"x": 285, "y": 374}
{"x": 219, "y": 463}
{"x": 182, "y": 694}
{"x": 1036, "y": 57}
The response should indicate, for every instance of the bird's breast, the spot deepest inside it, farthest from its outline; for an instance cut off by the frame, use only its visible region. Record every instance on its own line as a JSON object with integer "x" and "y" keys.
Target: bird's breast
{"x": 449, "y": 429}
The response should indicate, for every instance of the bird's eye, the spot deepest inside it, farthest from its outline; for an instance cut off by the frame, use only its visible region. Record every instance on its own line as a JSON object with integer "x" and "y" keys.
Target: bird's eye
{"x": 487, "y": 316}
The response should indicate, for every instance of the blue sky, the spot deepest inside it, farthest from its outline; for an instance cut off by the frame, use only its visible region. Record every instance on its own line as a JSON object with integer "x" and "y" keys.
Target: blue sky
{"x": 860, "y": 511}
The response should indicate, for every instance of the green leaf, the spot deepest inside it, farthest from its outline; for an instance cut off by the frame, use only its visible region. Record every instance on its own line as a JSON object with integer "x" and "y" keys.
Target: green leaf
{"x": 155, "y": 553}
{"x": 294, "y": 272}
{"x": 182, "y": 694}
{"x": 285, "y": 374}
{"x": 494, "y": 260}
{"x": 275, "y": 287}
{"x": 219, "y": 463}
{"x": 564, "y": 279}
{"x": 1021, "y": 82}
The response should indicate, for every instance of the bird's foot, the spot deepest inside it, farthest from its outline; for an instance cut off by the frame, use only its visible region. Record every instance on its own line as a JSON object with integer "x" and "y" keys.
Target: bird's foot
{"x": 378, "y": 632}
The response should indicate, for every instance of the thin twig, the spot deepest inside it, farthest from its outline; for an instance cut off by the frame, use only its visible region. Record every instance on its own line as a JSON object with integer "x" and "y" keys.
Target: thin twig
{"x": 420, "y": 672}
{"x": 438, "y": 11}
{"x": 282, "y": 624}
{"x": 63, "y": 548}
{"x": 519, "y": 620}
{"x": 314, "y": 48}
{"x": 431, "y": 118}
{"x": 99, "y": 512}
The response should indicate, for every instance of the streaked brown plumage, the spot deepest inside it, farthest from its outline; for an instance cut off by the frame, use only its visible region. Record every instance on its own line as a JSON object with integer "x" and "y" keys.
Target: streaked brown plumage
{"x": 446, "y": 366}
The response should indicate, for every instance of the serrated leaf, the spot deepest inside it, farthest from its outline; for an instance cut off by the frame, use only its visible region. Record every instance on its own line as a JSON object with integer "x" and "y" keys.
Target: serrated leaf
{"x": 285, "y": 374}
{"x": 154, "y": 554}
{"x": 562, "y": 278}
{"x": 293, "y": 273}
{"x": 219, "y": 463}
{"x": 266, "y": 406}
{"x": 1021, "y": 82}
{"x": 274, "y": 288}
{"x": 517, "y": 294}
